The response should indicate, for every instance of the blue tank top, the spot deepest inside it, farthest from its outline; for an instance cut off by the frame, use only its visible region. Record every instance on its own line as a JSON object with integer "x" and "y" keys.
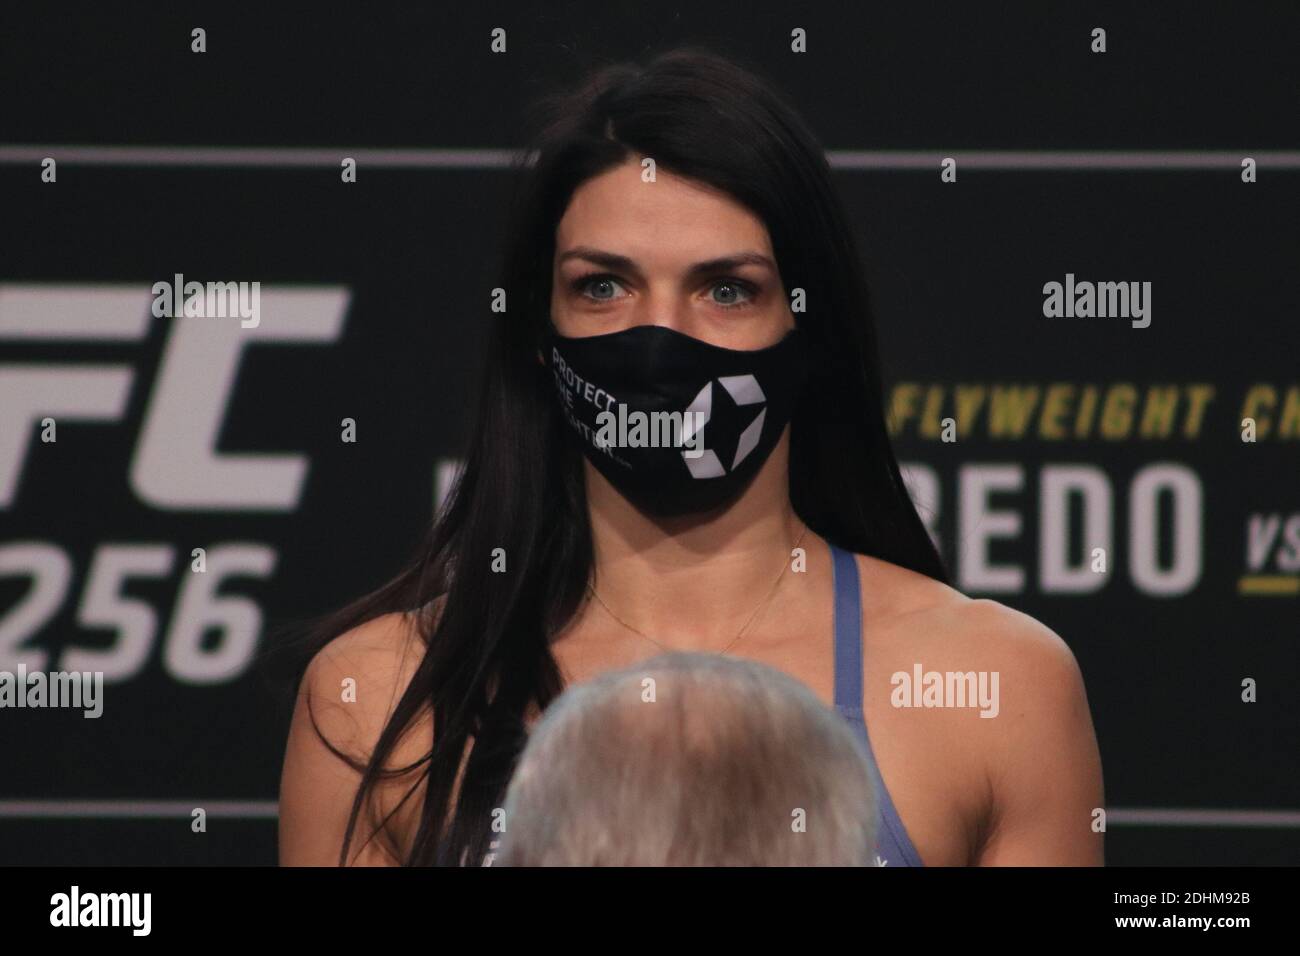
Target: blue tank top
{"x": 893, "y": 845}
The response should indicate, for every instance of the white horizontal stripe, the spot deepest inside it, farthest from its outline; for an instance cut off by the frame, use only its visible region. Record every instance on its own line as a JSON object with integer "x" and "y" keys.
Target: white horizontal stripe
{"x": 846, "y": 159}
{"x": 139, "y": 809}
{"x": 260, "y": 156}
{"x": 1075, "y": 160}
{"x": 268, "y": 809}
{"x": 1168, "y": 817}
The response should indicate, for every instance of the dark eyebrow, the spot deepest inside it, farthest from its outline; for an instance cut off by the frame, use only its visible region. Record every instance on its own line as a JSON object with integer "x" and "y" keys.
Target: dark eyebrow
{"x": 607, "y": 260}
{"x": 728, "y": 263}
{"x": 614, "y": 262}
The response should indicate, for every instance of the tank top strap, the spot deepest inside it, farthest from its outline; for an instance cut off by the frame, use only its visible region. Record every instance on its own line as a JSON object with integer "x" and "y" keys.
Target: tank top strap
{"x": 893, "y": 845}
{"x": 848, "y": 634}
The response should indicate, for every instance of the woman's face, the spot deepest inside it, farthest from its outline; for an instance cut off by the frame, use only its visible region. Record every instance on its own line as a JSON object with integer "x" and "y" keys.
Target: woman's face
{"x": 671, "y": 252}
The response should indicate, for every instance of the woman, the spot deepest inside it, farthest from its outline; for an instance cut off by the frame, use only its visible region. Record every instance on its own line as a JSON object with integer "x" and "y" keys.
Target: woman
{"x": 679, "y": 247}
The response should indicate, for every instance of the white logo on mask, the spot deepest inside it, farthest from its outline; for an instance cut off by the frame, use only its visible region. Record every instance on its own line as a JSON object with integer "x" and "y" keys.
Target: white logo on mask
{"x": 744, "y": 390}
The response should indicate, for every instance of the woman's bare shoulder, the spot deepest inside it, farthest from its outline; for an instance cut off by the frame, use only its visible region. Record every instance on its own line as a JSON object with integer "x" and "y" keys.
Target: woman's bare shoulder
{"x": 935, "y": 615}
{"x": 347, "y": 697}
{"x": 891, "y": 591}
{"x": 362, "y": 673}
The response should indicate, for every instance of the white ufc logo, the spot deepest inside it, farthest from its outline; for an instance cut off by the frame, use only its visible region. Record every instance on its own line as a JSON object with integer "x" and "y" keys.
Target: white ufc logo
{"x": 175, "y": 465}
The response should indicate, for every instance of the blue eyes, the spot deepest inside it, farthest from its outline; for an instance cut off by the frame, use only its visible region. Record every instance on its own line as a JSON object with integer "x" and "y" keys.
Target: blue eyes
{"x": 736, "y": 294}
{"x": 724, "y": 293}
{"x": 600, "y": 282}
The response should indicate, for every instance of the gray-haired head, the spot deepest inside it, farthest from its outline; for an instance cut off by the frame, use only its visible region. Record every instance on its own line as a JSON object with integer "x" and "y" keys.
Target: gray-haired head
{"x": 691, "y": 759}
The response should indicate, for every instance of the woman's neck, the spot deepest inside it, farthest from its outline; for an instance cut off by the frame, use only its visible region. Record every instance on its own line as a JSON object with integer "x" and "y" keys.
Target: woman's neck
{"x": 692, "y": 583}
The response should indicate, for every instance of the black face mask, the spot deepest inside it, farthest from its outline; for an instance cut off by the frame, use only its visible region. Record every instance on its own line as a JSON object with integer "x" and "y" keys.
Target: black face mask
{"x": 666, "y": 463}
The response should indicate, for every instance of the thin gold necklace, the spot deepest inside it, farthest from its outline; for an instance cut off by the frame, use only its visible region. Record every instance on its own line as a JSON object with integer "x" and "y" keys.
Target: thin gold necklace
{"x": 739, "y": 634}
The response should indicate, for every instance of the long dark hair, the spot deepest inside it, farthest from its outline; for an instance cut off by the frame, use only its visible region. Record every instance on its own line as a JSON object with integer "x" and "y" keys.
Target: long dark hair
{"x": 487, "y": 655}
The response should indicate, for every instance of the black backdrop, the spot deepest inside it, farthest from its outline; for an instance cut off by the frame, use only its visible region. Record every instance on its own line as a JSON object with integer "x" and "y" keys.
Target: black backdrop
{"x": 394, "y": 274}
